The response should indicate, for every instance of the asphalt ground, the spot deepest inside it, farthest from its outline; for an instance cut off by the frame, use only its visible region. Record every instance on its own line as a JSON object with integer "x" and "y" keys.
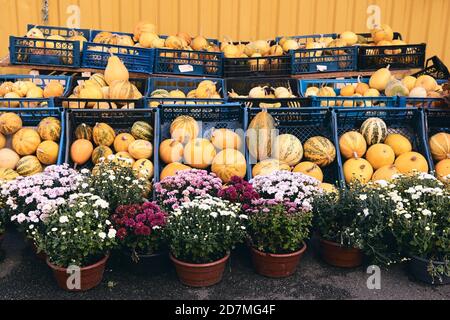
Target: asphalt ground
{"x": 24, "y": 276}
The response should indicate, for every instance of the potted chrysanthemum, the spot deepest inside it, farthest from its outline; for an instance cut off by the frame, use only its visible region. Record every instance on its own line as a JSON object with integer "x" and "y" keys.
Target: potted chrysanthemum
{"x": 279, "y": 222}
{"x": 186, "y": 185}
{"x": 78, "y": 240}
{"x": 140, "y": 231}
{"x": 420, "y": 221}
{"x": 200, "y": 235}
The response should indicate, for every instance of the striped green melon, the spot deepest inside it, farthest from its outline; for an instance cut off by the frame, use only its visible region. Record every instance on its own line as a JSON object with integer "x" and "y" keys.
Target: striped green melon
{"x": 101, "y": 152}
{"x": 287, "y": 148}
{"x": 83, "y": 131}
{"x": 320, "y": 151}
{"x": 268, "y": 166}
{"x": 103, "y": 134}
{"x": 28, "y": 166}
{"x": 49, "y": 129}
{"x": 374, "y": 130}
{"x": 142, "y": 130}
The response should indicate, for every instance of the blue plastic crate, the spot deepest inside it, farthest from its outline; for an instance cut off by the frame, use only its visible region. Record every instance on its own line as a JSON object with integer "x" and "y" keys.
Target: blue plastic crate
{"x": 302, "y": 40}
{"x": 408, "y": 122}
{"x": 231, "y": 116}
{"x": 243, "y": 87}
{"x": 436, "y": 120}
{"x": 78, "y": 103}
{"x": 45, "y": 52}
{"x": 337, "y": 84}
{"x": 40, "y": 80}
{"x": 304, "y": 123}
{"x": 185, "y": 85}
{"x": 423, "y": 102}
{"x": 32, "y": 117}
{"x": 120, "y": 120}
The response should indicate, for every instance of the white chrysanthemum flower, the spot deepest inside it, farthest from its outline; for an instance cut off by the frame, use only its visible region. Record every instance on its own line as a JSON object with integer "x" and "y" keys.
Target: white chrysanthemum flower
{"x": 112, "y": 233}
{"x": 63, "y": 219}
{"x": 102, "y": 235}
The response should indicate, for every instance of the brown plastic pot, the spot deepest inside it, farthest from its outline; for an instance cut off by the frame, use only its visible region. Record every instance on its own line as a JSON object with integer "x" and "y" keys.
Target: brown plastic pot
{"x": 90, "y": 276}
{"x": 336, "y": 255}
{"x": 200, "y": 275}
{"x": 276, "y": 265}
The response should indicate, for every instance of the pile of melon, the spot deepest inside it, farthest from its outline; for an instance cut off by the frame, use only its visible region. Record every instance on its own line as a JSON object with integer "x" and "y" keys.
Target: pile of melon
{"x": 440, "y": 151}
{"x": 113, "y": 85}
{"x": 285, "y": 151}
{"x": 25, "y": 150}
{"x": 27, "y": 89}
{"x": 381, "y": 83}
{"x": 373, "y": 154}
{"x": 186, "y": 149}
{"x": 265, "y": 92}
{"x": 206, "y": 89}
{"x": 98, "y": 143}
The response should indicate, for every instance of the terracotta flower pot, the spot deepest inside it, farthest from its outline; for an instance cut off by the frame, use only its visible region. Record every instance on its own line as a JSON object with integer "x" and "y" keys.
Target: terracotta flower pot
{"x": 418, "y": 270}
{"x": 91, "y": 276}
{"x": 339, "y": 256}
{"x": 276, "y": 265}
{"x": 200, "y": 275}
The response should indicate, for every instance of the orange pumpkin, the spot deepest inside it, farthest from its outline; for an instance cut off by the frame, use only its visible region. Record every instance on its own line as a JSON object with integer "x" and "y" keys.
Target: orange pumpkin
{"x": 171, "y": 170}
{"x": 53, "y": 89}
{"x": 171, "y": 150}
{"x": 411, "y": 161}
{"x": 123, "y": 141}
{"x": 357, "y": 169}
{"x": 47, "y": 152}
{"x": 26, "y": 141}
{"x": 199, "y": 153}
{"x": 81, "y": 151}
{"x": 183, "y": 129}
{"x": 229, "y": 163}
{"x": 226, "y": 139}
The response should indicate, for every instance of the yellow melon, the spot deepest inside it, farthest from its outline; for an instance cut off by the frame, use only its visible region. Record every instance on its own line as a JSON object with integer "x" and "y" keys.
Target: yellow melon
{"x": 269, "y": 166}
{"x": 443, "y": 170}
{"x": 8, "y": 158}
{"x": 311, "y": 169}
{"x": 411, "y": 161}
{"x": 399, "y": 143}
{"x": 122, "y": 142}
{"x": 140, "y": 149}
{"x": 357, "y": 169}
{"x": 199, "y": 153}
{"x": 440, "y": 146}
{"x": 226, "y": 139}
{"x": 26, "y": 141}
{"x": 171, "y": 170}
{"x": 328, "y": 187}
{"x": 229, "y": 163}
{"x": 385, "y": 173}
{"x": 380, "y": 155}
{"x": 144, "y": 168}
{"x": 10, "y": 123}
{"x": 47, "y": 152}
{"x": 352, "y": 145}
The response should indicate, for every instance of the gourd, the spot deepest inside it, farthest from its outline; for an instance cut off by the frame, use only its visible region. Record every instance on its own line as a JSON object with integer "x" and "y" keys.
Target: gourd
{"x": 144, "y": 168}
{"x": 53, "y": 89}
{"x": 399, "y": 143}
{"x": 115, "y": 70}
{"x": 396, "y": 88}
{"x": 199, "y": 153}
{"x": 121, "y": 90}
{"x": 385, "y": 173}
{"x": 171, "y": 150}
{"x": 310, "y": 169}
{"x": 443, "y": 170}
{"x": 226, "y": 139}
{"x": 352, "y": 145}
{"x": 268, "y": 166}
{"x": 8, "y": 158}
{"x": 229, "y": 163}
{"x": 123, "y": 141}
{"x": 99, "y": 79}
{"x": 427, "y": 82}
{"x": 171, "y": 170}
{"x": 142, "y": 130}
{"x": 10, "y": 123}
{"x": 47, "y": 152}
{"x": 124, "y": 159}
{"x": 319, "y": 150}
{"x": 103, "y": 134}
{"x": 28, "y": 166}
{"x": 101, "y": 152}
{"x": 411, "y": 161}
{"x": 91, "y": 92}
{"x": 49, "y": 129}
{"x": 7, "y": 174}
{"x": 26, "y": 141}
{"x": 287, "y": 148}
{"x": 380, "y": 79}
{"x": 440, "y": 146}
{"x": 140, "y": 149}
{"x": 83, "y": 131}
{"x": 357, "y": 169}
{"x": 380, "y": 155}
{"x": 374, "y": 130}
{"x": 260, "y": 134}
{"x": 81, "y": 151}
{"x": 183, "y": 129}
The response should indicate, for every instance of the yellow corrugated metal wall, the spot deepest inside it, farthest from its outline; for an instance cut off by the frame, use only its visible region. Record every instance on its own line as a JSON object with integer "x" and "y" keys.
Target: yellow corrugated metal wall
{"x": 418, "y": 20}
